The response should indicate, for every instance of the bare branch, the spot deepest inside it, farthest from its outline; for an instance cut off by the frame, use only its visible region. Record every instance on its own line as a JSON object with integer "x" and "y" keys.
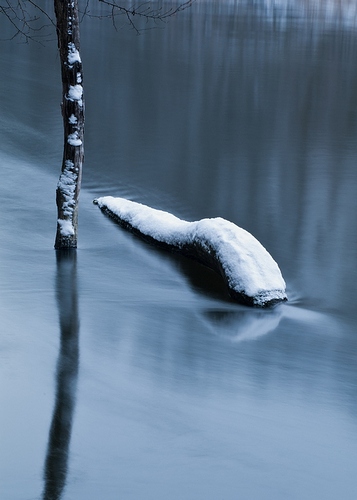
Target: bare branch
{"x": 85, "y": 11}
{"x": 144, "y": 10}
{"x": 131, "y": 22}
{"x": 32, "y": 22}
{"x": 28, "y": 19}
{"x": 42, "y": 12}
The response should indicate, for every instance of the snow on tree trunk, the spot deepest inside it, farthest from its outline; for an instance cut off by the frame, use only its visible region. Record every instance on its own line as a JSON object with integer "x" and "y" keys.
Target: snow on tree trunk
{"x": 69, "y": 183}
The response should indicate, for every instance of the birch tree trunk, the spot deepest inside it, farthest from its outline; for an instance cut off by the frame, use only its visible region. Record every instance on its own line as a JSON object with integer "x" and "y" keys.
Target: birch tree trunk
{"x": 68, "y": 188}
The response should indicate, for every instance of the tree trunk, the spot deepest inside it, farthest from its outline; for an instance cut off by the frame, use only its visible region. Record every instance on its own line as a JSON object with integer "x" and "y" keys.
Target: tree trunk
{"x": 69, "y": 183}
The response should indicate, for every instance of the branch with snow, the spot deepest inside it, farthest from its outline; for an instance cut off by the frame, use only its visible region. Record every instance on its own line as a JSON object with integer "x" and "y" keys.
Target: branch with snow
{"x": 251, "y": 274}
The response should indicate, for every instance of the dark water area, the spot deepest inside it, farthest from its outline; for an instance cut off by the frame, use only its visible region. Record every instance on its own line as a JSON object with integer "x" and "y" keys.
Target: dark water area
{"x": 127, "y": 373}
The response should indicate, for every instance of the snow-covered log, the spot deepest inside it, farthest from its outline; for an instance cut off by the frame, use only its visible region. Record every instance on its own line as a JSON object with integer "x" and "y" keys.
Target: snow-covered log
{"x": 251, "y": 274}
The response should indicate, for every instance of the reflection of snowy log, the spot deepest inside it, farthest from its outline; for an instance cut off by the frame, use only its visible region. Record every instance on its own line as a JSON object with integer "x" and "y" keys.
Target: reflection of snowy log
{"x": 251, "y": 274}
{"x": 241, "y": 325}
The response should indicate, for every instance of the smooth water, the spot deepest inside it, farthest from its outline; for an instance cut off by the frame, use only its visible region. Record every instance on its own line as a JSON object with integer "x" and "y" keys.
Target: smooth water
{"x": 127, "y": 373}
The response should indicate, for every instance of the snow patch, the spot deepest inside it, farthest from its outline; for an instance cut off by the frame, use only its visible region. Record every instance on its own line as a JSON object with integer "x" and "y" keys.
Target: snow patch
{"x": 246, "y": 265}
{"x": 73, "y": 54}
{"x": 72, "y": 120}
{"x": 67, "y": 185}
{"x": 66, "y": 227}
{"x": 75, "y": 93}
{"x": 69, "y": 164}
{"x": 73, "y": 139}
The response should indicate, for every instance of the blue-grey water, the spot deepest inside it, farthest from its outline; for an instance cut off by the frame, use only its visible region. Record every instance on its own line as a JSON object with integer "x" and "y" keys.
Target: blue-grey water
{"x": 127, "y": 373}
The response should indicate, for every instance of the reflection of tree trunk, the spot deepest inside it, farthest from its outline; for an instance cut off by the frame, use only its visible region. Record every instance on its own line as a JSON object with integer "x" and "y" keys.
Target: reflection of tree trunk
{"x": 67, "y": 370}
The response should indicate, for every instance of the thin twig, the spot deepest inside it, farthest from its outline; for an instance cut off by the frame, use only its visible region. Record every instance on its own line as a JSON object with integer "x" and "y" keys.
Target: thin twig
{"x": 26, "y": 24}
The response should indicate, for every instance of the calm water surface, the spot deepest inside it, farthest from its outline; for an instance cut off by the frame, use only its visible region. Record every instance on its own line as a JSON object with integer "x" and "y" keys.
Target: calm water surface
{"x": 127, "y": 373}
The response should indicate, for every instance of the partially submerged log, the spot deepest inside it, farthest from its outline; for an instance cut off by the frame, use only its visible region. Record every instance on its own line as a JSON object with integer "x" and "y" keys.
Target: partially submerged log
{"x": 251, "y": 274}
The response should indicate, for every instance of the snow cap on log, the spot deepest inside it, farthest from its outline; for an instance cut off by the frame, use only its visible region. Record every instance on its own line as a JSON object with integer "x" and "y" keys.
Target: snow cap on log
{"x": 251, "y": 274}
